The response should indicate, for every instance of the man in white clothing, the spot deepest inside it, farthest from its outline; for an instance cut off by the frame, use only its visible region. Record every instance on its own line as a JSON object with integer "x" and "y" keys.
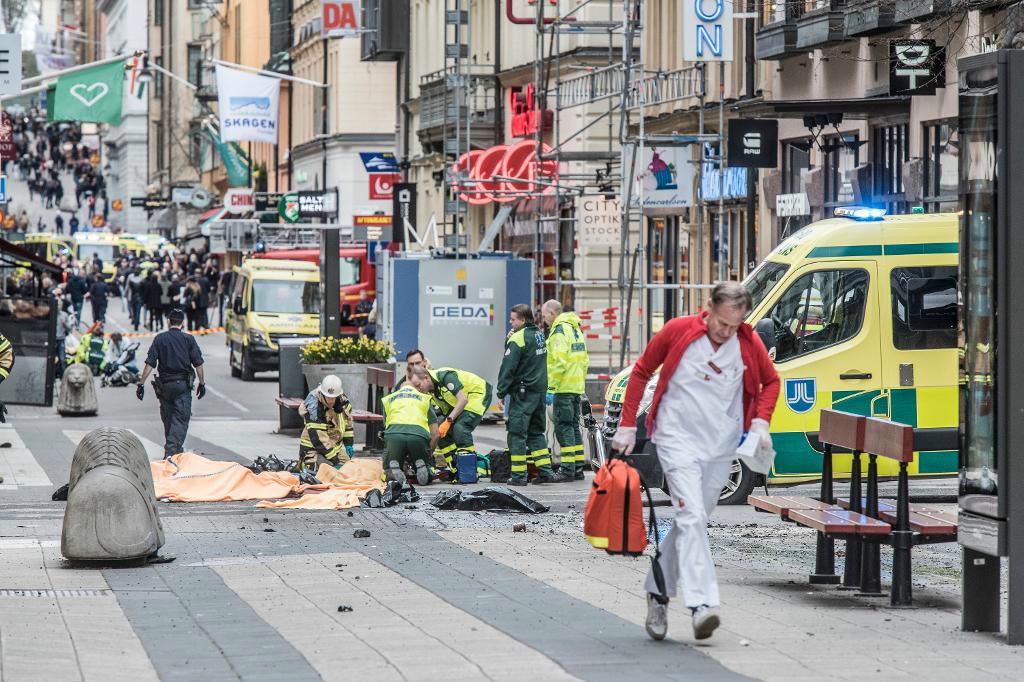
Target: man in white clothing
{"x": 716, "y": 383}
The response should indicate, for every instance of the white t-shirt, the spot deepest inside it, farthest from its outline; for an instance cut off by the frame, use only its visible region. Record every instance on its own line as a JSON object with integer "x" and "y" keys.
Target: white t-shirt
{"x": 701, "y": 411}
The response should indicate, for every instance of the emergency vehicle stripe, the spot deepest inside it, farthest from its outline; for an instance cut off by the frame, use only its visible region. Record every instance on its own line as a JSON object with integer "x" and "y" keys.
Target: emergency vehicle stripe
{"x": 888, "y": 249}
{"x": 921, "y": 249}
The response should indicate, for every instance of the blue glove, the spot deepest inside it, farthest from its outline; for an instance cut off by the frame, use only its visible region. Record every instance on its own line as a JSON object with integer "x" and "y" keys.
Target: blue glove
{"x": 350, "y": 450}
{"x": 550, "y": 399}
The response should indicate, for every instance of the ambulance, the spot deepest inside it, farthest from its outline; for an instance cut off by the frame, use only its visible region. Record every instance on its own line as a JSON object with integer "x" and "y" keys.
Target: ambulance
{"x": 48, "y": 246}
{"x": 103, "y": 244}
{"x": 270, "y": 300}
{"x": 859, "y": 313}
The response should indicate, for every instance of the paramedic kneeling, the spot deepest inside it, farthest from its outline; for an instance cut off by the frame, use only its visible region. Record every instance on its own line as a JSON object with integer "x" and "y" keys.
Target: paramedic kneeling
{"x": 717, "y": 381}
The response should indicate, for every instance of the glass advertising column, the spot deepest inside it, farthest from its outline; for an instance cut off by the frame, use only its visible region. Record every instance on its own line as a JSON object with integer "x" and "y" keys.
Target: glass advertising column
{"x": 991, "y": 102}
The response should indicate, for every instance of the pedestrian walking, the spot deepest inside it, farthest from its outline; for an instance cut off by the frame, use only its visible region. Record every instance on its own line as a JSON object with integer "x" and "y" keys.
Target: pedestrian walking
{"x": 77, "y": 289}
{"x": 98, "y": 293}
{"x": 328, "y": 434}
{"x": 567, "y": 377}
{"x": 135, "y": 293}
{"x": 523, "y": 381}
{"x": 177, "y": 359}
{"x": 716, "y": 382}
{"x": 153, "y": 296}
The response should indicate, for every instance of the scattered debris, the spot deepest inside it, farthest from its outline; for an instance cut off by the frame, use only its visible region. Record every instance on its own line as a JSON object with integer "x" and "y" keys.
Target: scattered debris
{"x": 494, "y": 498}
{"x": 744, "y": 642}
{"x": 361, "y": 533}
{"x": 344, "y": 608}
{"x": 269, "y": 530}
{"x": 519, "y": 528}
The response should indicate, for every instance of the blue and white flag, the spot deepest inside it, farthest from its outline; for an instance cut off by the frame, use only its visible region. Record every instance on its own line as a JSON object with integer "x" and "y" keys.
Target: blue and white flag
{"x": 248, "y": 106}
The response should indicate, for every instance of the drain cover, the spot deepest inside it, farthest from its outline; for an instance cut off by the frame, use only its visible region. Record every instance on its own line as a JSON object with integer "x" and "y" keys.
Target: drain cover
{"x": 54, "y": 593}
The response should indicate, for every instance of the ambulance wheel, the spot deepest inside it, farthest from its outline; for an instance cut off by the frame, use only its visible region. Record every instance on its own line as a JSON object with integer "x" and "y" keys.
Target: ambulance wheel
{"x": 739, "y": 485}
{"x": 246, "y": 372}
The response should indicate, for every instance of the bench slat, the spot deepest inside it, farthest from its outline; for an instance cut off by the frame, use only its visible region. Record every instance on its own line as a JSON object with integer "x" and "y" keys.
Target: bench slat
{"x": 842, "y": 429}
{"x": 783, "y": 504}
{"x": 839, "y": 521}
{"x": 885, "y": 504}
{"x": 925, "y": 524}
{"x": 361, "y": 416}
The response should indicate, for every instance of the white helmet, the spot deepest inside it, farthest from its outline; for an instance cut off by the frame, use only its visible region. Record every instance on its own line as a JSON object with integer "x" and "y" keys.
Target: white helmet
{"x": 330, "y": 387}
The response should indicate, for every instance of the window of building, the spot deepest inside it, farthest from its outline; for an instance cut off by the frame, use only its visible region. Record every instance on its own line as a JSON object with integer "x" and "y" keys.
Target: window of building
{"x": 662, "y": 269}
{"x": 841, "y": 155}
{"x": 819, "y": 310}
{"x": 941, "y": 151}
{"x": 158, "y": 137}
{"x": 890, "y": 148}
{"x": 158, "y": 78}
{"x": 195, "y": 64}
{"x": 158, "y": 12}
{"x": 924, "y": 308}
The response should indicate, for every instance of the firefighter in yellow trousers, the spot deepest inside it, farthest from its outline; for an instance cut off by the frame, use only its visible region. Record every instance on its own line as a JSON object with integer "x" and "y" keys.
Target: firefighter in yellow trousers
{"x": 328, "y": 435}
{"x": 567, "y": 375}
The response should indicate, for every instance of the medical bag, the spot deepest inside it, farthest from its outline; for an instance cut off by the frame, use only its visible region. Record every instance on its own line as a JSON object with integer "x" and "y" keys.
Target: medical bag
{"x": 465, "y": 466}
{"x": 614, "y": 516}
{"x": 500, "y": 465}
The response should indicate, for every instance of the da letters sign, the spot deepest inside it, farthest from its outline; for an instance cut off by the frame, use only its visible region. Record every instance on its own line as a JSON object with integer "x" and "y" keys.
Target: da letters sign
{"x": 707, "y": 30}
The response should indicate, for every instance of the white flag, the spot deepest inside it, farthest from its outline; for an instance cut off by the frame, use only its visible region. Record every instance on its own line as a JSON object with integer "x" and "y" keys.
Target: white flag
{"x": 248, "y": 105}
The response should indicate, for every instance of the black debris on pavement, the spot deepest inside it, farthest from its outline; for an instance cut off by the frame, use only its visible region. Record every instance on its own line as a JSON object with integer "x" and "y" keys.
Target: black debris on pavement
{"x": 394, "y": 493}
{"x": 519, "y": 528}
{"x": 344, "y": 608}
{"x": 495, "y": 498}
{"x": 269, "y": 530}
{"x": 361, "y": 533}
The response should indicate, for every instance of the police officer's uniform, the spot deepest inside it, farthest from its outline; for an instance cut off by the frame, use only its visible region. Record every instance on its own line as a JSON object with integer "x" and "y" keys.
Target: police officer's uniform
{"x": 523, "y": 377}
{"x": 174, "y": 354}
{"x": 567, "y": 376}
{"x": 447, "y": 384}
{"x": 408, "y": 417}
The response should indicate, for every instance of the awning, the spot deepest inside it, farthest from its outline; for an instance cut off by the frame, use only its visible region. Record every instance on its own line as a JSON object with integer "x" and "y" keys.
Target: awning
{"x": 208, "y": 217}
{"x": 855, "y": 108}
{"x": 12, "y": 254}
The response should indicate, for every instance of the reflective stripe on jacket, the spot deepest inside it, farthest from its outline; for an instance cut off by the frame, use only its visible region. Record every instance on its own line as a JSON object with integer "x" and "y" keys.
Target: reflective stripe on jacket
{"x": 327, "y": 429}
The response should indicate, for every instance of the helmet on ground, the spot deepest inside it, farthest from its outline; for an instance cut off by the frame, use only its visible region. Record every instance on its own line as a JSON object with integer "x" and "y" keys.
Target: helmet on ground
{"x": 330, "y": 386}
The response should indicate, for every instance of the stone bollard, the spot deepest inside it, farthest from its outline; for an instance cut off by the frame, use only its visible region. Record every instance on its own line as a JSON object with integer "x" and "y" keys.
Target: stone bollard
{"x": 111, "y": 511}
{"x": 77, "y": 392}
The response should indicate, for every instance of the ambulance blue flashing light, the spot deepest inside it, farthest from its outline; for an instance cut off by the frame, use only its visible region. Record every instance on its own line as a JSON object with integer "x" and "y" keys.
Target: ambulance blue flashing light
{"x": 864, "y": 213}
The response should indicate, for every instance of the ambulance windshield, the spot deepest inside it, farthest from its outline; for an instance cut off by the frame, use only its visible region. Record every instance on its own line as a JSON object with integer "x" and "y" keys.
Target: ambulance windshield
{"x": 762, "y": 280}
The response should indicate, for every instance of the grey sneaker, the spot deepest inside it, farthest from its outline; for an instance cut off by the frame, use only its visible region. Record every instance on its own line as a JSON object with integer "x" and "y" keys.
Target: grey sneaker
{"x": 422, "y": 472}
{"x": 705, "y": 621}
{"x": 657, "y": 618}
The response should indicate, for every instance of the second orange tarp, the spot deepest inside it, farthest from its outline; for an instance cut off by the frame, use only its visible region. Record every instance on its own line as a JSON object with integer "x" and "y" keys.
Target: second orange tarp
{"x": 345, "y": 487}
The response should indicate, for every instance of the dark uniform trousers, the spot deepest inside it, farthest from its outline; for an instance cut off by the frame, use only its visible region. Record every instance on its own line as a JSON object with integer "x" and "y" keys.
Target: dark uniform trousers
{"x": 175, "y": 412}
{"x": 527, "y": 437}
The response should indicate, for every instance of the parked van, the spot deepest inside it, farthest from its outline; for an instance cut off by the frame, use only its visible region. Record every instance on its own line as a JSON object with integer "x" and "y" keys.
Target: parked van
{"x": 48, "y": 246}
{"x": 270, "y": 299}
{"x": 144, "y": 243}
{"x": 860, "y": 314}
{"x": 357, "y": 274}
{"x": 104, "y": 244}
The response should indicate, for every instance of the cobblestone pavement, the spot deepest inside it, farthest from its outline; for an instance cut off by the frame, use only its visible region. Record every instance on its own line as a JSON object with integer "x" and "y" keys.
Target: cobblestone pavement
{"x": 255, "y": 594}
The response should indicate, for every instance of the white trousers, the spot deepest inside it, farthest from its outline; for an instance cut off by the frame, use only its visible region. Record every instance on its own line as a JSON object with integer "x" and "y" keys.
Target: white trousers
{"x": 695, "y": 486}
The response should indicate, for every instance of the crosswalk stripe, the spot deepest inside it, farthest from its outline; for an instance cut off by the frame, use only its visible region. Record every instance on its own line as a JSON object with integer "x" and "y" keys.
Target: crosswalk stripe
{"x": 153, "y": 450}
{"x": 17, "y": 465}
{"x": 248, "y": 438}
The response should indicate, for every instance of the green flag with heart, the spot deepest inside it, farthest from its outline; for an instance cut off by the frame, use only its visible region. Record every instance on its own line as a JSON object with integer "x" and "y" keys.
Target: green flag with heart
{"x": 93, "y": 95}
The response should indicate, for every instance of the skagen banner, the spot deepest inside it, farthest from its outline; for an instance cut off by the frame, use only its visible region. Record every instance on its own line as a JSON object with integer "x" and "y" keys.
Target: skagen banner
{"x": 248, "y": 106}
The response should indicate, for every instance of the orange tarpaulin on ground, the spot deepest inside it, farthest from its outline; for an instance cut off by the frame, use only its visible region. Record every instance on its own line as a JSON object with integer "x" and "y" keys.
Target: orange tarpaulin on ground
{"x": 345, "y": 487}
{"x": 189, "y": 477}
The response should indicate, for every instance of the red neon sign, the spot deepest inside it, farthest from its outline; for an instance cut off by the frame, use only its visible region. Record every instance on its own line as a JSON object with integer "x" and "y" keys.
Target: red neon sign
{"x": 505, "y": 173}
{"x": 526, "y": 117}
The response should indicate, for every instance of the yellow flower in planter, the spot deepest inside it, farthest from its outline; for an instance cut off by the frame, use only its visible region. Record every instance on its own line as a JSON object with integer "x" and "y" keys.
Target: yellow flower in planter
{"x": 335, "y": 351}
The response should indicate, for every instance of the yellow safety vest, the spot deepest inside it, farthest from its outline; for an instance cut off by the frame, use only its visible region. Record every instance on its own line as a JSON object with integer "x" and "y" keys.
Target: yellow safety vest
{"x": 567, "y": 356}
{"x": 474, "y": 386}
{"x": 407, "y": 411}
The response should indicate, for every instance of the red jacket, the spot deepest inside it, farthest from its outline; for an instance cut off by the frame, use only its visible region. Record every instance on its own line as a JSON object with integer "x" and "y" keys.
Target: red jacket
{"x": 760, "y": 380}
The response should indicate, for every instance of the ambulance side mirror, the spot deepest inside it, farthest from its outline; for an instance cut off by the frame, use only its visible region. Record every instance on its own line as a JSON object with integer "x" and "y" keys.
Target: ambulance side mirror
{"x": 765, "y": 328}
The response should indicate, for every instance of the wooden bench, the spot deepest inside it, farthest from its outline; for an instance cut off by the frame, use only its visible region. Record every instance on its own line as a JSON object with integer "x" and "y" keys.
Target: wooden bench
{"x": 863, "y": 521}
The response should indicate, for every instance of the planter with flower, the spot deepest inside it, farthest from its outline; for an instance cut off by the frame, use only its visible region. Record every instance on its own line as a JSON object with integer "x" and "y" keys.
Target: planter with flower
{"x": 348, "y": 359}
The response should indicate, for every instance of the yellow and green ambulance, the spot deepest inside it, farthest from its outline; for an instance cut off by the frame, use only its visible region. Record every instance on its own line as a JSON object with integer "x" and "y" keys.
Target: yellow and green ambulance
{"x": 860, "y": 314}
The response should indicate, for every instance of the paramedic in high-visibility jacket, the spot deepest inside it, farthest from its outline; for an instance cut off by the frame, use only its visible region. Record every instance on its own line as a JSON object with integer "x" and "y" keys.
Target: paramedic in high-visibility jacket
{"x": 567, "y": 378}
{"x": 716, "y": 383}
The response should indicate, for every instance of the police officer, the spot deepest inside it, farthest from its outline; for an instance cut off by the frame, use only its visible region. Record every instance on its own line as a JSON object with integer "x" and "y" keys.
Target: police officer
{"x": 328, "y": 434}
{"x": 523, "y": 377}
{"x": 463, "y": 398}
{"x": 177, "y": 358}
{"x": 410, "y": 423}
{"x": 567, "y": 376}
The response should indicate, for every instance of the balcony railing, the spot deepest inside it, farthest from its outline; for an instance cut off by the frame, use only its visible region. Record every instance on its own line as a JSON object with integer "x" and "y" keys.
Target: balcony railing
{"x": 868, "y": 17}
{"x": 449, "y": 100}
{"x": 823, "y": 23}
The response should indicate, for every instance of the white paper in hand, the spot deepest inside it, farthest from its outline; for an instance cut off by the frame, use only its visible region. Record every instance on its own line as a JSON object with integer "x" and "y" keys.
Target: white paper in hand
{"x": 754, "y": 456}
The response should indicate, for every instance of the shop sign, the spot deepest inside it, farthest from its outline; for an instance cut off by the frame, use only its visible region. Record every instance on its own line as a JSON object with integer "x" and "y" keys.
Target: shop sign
{"x": 707, "y": 30}
{"x": 527, "y": 118}
{"x": 789, "y": 205}
{"x": 382, "y": 185}
{"x": 340, "y": 19}
{"x": 150, "y": 203}
{"x": 599, "y": 220}
{"x": 8, "y": 150}
{"x": 288, "y": 207}
{"x": 518, "y": 168}
{"x": 462, "y": 313}
{"x": 916, "y": 67}
{"x": 732, "y": 186}
{"x": 753, "y": 143}
{"x": 239, "y": 200}
{"x": 404, "y": 209}
{"x": 320, "y": 204}
{"x": 379, "y": 162}
{"x": 267, "y": 201}
{"x": 665, "y": 180}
